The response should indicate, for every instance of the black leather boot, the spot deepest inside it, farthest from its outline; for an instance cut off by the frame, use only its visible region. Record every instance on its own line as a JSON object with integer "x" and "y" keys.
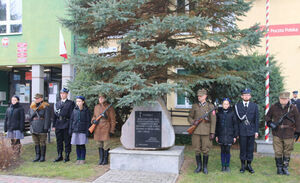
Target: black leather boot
{"x": 37, "y": 153}
{"x": 59, "y": 157}
{"x": 106, "y": 154}
{"x": 43, "y": 153}
{"x": 279, "y": 165}
{"x": 205, "y": 161}
{"x": 67, "y": 158}
{"x": 199, "y": 164}
{"x": 249, "y": 168}
{"x": 101, "y": 156}
{"x": 242, "y": 170}
{"x": 286, "y": 162}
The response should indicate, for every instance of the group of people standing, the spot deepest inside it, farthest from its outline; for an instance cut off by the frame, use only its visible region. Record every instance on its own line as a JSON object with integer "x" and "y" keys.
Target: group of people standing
{"x": 226, "y": 125}
{"x": 241, "y": 121}
{"x": 70, "y": 122}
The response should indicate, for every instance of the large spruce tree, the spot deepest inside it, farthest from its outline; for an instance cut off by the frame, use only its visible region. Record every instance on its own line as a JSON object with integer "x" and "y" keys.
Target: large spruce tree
{"x": 157, "y": 36}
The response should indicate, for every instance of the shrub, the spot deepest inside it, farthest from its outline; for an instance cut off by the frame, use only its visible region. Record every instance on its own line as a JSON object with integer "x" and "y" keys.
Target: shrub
{"x": 8, "y": 157}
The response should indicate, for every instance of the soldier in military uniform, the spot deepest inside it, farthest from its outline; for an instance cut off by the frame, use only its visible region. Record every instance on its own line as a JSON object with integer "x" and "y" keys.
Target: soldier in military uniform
{"x": 248, "y": 121}
{"x": 63, "y": 110}
{"x": 295, "y": 101}
{"x": 204, "y": 134}
{"x": 283, "y": 130}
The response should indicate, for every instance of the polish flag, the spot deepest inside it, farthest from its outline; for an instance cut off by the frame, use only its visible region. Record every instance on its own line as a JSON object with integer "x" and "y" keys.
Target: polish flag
{"x": 62, "y": 46}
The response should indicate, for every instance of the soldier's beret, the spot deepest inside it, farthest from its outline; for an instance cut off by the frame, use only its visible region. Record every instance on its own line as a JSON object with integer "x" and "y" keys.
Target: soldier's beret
{"x": 226, "y": 99}
{"x": 285, "y": 95}
{"x": 246, "y": 91}
{"x": 201, "y": 92}
{"x": 64, "y": 90}
{"x": 102, "y": 95}
{"x": 295, "y": 92}
{"x": 80, "y": 97}
{"x": 38, "y": 95}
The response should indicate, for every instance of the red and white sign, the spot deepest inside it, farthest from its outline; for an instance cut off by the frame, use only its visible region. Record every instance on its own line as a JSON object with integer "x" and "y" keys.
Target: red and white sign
{"x": 5, "y": 42}
{"x": 22, "y": 52}
{"x": 28, "y": 76}
{"x": 284, "y": 30}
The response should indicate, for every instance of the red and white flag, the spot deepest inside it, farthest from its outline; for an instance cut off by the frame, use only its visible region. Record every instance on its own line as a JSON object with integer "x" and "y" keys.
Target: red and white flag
{"x": 62, "y": 46}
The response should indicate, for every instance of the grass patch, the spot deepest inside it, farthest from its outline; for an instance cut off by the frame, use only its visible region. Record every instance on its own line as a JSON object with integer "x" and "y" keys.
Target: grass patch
{"x": 264, "y": 166}
{"x": 87, "y": 172}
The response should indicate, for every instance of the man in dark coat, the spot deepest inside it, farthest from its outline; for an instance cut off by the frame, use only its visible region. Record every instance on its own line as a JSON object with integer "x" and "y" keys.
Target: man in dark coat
{"x": 295, "y": 101}
{"x": 283, "y": 132}
{"x": 248, "y": 120}
{"x": 63, "y": 110}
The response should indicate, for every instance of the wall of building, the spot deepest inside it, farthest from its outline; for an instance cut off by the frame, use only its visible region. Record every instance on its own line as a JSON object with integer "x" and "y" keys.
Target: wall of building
{"x": 40, "y": 32}
{"x": 285, "y": 49}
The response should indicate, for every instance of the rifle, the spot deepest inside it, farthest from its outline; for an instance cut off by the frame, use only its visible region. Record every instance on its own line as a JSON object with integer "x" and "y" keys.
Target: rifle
{"x": 92, "y": 128}
{"x": 274, "y": 125}
{"x": 200, "y": 120}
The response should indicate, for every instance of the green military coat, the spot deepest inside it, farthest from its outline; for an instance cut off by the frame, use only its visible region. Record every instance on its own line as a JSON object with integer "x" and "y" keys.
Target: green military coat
{"x": 204, "y": 128}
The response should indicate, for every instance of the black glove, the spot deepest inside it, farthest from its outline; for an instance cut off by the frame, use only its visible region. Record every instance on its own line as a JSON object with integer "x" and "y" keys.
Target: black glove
{"x": 211, "y": 136}
{"x": 296, "y": 135}
{"x": 95, "y": 122}
{"x": 110, "y": 134}
{"x": 273, "y": 125}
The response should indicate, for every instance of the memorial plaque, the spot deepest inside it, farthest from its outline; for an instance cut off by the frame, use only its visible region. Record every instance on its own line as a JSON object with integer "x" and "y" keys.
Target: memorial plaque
{"x": 148, "y": 129}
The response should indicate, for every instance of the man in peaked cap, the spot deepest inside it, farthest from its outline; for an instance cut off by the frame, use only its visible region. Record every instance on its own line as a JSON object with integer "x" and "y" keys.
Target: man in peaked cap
{"x": 204, "y": 133}
{"x": 283, "y": 133}
{"x": 295, "y": 101}
{"x": 61, "y": 120}
{"x": 248, "y": 122}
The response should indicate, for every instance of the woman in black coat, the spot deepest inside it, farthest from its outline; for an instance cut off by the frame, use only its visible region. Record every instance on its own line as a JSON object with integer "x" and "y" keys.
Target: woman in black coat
{"x": 79, "y": 125}
{"x": 14, "y": 123}
{"x": 226, "y": 132}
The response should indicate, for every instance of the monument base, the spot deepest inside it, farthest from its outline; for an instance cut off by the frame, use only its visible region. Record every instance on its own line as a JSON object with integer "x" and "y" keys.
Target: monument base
{"x": 169, "y": 161}
{"x": 265, "y": 148}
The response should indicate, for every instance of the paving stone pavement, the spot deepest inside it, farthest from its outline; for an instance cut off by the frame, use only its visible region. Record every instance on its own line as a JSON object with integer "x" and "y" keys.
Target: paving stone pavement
{"x": 118, "y": 176}
{"x": 22, "y": 179}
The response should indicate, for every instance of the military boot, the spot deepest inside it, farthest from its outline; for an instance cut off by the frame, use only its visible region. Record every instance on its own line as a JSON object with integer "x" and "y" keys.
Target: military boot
{"x": 242, "y": 170}
{"x": 205, "y": 161}
{"x": 43, "y": 153}
{"x": 59, "y": 157}
{"x": 101, "y": 156}
{"x": 106, "y": 154}
{"x": 279, "y": 166}
{"x": 37, "y": 153}
{"x": 199, "y": 164}
{"x": 249, "y": 167}
{"x": 286, "y": 161}
{"x": 67, "y": 158}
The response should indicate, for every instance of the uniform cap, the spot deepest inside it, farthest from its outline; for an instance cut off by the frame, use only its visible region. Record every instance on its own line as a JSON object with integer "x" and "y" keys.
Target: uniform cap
{"x": 246, "y": 91}
{"x": 102, "y": 95}
{"x": 80, "y": 97}
{"x": 201, "y": 92}
{"x": 38, "y": 95}
{"x": 295, "y": 92}
{"x": 64, "y": 90}
{"x": 285, "y": 95}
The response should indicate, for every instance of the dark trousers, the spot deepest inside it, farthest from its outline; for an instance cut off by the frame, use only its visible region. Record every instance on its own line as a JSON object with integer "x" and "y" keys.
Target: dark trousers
{"x": 81, "y": 152}
{"x": 225, "y": 155}
{"x": 62, "y": 136}
{"x": 246, "y": 147}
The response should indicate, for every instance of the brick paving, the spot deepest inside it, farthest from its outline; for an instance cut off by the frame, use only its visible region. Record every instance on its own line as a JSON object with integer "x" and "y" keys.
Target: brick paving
{"x": 22, "y": 179}
{"x": 118, "y": 176}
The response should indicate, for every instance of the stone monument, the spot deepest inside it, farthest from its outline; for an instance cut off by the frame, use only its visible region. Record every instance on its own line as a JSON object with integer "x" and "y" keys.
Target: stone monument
{"x": 148, "y": 140}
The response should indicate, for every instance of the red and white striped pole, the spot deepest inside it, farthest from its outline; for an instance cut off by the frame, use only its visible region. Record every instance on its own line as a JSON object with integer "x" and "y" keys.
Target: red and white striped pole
{"x": 267, "y": 132}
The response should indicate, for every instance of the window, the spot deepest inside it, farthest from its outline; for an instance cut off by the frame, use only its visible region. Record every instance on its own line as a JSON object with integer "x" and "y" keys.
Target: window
{"x": 181, "y": 98}
{"x": 10, "y": 17}
{"x": 184, "y": 6}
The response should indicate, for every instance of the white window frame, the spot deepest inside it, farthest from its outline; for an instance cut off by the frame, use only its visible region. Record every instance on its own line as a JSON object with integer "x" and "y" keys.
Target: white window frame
{"x": 186, "y": 105}
{"x": 9, "y": 22}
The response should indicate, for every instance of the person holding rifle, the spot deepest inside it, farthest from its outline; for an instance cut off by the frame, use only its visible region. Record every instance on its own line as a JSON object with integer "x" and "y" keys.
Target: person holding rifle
{"x": 248, "y": 121}
{"x": 283, "y": 118}
{"x": 105, "y": 127}
{"x": 39, "y": 125}
{"x": 204, "y": 133}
